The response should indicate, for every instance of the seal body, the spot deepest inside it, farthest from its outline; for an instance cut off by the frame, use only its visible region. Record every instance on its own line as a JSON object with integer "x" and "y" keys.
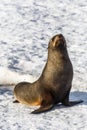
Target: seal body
{"x": 55, "y": 82}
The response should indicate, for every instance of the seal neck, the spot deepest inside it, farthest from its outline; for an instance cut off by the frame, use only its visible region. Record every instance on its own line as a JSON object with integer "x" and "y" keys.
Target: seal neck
{"x": 56, "y": 55}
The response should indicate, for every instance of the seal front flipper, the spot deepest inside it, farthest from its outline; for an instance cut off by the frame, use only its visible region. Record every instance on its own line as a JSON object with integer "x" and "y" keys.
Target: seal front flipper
{"x": 66, "y": 101}
{"x": 42, "y": 109}
{"x": 71, "y": 103}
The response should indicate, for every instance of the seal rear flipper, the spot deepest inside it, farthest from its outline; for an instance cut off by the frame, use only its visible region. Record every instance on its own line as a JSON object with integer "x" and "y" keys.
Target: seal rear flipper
{"x": 42, "y": 109}
{"x": 15, "y": 101}
{"x": 71, "y": 103}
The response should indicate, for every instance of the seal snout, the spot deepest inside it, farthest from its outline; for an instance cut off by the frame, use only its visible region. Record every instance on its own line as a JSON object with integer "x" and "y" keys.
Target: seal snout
{"x": 60, "y": 36}
{"x": 62, "y": 40}
{"x": 58, "y": 40}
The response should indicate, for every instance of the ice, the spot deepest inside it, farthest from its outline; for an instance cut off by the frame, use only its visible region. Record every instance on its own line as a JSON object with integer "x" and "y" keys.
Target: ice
{"x": 26, "y": 27}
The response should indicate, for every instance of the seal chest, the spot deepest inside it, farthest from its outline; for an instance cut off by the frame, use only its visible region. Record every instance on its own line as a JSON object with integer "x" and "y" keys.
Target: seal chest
{"x": 55, "y": 82}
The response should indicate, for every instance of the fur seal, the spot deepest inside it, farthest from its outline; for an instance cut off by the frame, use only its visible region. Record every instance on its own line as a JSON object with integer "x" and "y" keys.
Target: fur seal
{"x": 55, "y": 82}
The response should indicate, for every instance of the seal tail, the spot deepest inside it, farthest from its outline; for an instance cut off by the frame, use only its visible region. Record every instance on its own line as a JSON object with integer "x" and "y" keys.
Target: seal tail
{"x": 42, "y": 109}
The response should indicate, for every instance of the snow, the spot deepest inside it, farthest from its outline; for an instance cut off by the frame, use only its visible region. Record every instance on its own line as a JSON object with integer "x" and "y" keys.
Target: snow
{"x": 26, "y": 27}
{"x": 8, "y": 77}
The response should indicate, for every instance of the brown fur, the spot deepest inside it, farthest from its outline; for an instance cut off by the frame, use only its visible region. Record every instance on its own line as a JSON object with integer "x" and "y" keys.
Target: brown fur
{"x": 55, "y": 82}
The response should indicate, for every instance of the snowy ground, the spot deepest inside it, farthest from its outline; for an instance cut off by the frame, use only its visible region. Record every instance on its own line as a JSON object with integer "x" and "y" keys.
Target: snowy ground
{"x": 25, "y": 29}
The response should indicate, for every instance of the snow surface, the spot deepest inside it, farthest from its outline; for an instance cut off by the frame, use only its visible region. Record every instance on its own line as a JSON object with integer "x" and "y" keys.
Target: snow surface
{"x": 25, "y": 29}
